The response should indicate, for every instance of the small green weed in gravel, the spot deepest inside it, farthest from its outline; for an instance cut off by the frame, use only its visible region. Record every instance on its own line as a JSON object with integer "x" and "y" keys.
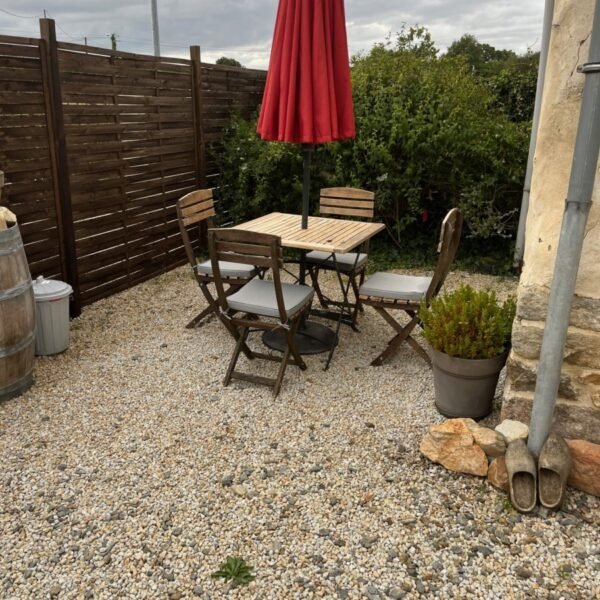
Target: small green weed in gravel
{"x": 507, "y": 504}
{"x": 235, "y": 570}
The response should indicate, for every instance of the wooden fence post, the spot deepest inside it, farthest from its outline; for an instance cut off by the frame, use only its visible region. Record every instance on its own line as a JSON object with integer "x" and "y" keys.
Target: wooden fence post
{"x": 199, "y": 143}
{"x": 59, "y": 158}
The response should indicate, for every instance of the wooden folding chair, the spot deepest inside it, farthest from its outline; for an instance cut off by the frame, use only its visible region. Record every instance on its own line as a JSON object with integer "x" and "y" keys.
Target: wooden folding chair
{"x": 343, "y": 202}
{"x": 283, "y": 304}
{"x": 196, "y": 210}
{"x": 389, "y": 291}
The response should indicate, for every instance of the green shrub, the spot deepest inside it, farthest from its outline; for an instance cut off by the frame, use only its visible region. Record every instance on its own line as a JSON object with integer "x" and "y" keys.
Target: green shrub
{"x": 468, "y": 323}
{"x": 429, "y": 136}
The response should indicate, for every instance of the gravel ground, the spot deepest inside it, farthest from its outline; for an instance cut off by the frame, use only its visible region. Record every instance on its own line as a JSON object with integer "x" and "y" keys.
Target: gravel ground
{"x": 128, "y": 471}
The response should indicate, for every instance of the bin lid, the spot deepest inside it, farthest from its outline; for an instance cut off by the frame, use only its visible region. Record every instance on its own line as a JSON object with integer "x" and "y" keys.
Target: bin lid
{"x": 50, "y": 289}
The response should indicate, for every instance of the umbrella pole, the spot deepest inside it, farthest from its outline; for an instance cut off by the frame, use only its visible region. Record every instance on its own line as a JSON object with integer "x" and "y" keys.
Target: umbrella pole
{"x": 307, "y": 150}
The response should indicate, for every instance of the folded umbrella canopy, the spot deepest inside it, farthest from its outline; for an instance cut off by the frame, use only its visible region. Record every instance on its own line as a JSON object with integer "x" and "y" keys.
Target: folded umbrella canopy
{"x": 308, "y": 101}
{"x": 308, "y": 96}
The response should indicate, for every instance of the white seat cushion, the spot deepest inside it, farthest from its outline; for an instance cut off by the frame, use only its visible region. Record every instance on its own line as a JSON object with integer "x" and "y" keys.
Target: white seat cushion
{"x": 229, "y": 270}
{"x": 345, "y": 261}
{"x": 258, "y": 297}
{"x": 396, "y": 287}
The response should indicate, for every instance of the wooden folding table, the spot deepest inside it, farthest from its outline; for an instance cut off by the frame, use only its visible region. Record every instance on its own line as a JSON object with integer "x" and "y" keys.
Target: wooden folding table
{"x": 325, "y": 234}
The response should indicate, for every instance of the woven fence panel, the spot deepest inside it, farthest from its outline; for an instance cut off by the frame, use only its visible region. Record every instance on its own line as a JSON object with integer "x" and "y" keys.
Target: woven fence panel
{"x": 98, "y": 145}
{"x": 128, "y": 125}
{"x": 25, "y": 154}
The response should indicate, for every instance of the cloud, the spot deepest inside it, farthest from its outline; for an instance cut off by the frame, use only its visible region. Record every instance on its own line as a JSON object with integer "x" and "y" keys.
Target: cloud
{"x": 242, "y": 29}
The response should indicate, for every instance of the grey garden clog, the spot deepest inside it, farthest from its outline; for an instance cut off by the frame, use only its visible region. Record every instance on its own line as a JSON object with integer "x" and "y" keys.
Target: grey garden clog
{"x": 554, "y": 465}
{"x": 522, "y": 476}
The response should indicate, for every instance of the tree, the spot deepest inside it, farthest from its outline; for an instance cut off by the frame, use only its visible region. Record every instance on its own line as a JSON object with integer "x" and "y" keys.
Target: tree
{"x": 477, "y": 55}
{"x": 229, "y": 62}
{"x": 510, "y": 77}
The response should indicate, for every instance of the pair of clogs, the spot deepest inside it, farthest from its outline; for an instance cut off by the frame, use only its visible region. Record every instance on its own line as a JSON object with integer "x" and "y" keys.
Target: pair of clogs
{"x": 548, "y": 481}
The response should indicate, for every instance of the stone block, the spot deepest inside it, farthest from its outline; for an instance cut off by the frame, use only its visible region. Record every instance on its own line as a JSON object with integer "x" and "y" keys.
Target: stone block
{"x": 585, "y": 466}
{"x": 571, "y": 420}
{"x": 532, "y": 305}
{"x": 497, "y": 474}
{"x": 452, "y": 445}
{"x": 490, "y": 441}
{"x": 582, "y": 348}
{"x": 512, "y": 430}
{"x": 578, "y": 384}
{"x": 522, "y": 375}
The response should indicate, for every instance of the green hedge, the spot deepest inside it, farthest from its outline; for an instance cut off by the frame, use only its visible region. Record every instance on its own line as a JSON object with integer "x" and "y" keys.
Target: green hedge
{"x": 430, "y": 135}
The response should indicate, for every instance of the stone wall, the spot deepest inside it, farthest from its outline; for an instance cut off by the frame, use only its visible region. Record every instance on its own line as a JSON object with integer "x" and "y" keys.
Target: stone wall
{"x": 578, "y": 406}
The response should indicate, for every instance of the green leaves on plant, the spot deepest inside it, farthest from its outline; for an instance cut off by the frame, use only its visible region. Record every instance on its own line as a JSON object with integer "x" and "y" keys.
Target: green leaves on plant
{"x": 235, "y": 570}
{"x": 468, "y": 323}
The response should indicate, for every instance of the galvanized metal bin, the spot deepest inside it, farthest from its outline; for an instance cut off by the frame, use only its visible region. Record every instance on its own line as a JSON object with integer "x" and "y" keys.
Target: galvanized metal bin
{"x": 52, "y": 315}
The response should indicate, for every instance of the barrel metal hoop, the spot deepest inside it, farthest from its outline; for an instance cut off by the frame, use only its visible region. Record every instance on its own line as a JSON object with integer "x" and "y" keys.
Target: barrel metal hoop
{"x": 16, "y": 291}
{"x": 12, "y": 248}
{"x": 16, "y": 388}
{"x": 10, "y": 350}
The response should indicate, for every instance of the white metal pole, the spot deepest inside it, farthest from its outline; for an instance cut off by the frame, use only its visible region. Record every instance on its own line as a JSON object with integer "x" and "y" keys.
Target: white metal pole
{"x": 155, "y": 28}
{"x": 546, "y": 29}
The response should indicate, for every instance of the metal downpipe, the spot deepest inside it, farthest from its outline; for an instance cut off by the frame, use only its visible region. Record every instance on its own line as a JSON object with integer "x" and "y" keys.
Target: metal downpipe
{"x": 539, "y": 90}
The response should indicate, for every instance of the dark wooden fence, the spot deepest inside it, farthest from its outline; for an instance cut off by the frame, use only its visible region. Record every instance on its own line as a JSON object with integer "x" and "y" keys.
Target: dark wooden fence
{"x": 97, "y": 145}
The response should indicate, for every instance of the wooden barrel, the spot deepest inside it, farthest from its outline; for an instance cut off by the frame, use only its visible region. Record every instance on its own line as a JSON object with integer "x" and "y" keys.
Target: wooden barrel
{"x": 17, "y": 316}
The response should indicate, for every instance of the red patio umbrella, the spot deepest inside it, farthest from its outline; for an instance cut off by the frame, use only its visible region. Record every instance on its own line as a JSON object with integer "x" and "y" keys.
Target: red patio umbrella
{"x": 308, "y": 96}
{"x": 308, "y": 101}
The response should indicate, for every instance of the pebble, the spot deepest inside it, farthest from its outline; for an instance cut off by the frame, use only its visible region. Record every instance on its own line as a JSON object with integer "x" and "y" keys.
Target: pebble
{"x": 523, "y": 572}
{"x": 227, "y": 481}
{"x": 128, "y": 482}
{"x": 369, "y": 540}
{"x": 239, "y": 490}
{"x": 372, "y": 593}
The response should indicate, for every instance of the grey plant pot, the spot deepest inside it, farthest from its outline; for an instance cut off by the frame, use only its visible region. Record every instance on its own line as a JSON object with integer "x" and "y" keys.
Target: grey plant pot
{"x": 465, "y": 387}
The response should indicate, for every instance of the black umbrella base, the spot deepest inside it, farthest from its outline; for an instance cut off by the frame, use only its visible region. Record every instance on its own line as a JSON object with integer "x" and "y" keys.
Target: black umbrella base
{"x": 311, "y": 338}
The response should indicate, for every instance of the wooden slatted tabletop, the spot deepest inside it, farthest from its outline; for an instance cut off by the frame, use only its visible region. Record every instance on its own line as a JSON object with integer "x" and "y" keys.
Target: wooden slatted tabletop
{"x": 327, "y": 235}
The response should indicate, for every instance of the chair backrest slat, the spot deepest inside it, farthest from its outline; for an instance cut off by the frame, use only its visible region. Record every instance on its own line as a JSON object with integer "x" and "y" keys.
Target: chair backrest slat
{"x": 224, "y": 253}
{"x": 347, "y": 202}
{"x": 449, "y": 241}
{"x": 250, "y": 248}
{"x": 198, "y": 208}
{"x": 195, "y": 197}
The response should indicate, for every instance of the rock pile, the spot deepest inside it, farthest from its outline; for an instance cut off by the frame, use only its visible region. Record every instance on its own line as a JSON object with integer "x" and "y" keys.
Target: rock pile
{"x": 464, "y": 446}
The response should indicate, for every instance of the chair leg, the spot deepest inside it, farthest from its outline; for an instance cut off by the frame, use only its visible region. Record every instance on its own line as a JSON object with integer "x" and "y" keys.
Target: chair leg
{"x": 282, "y": 367}
{"x": 396, "y": 341}
{"x": 291, "y": 339}
{"x": 198, "y": 320}
{"x": 215, "y": 308}
{"x": 362, "y": 280}
{"x": 419, "y": 349}
{"x": 357, "y": 306}
{"x": 212, "y": 307}
{"x": 241, "y": 342}
{"x": 314, "y": 277}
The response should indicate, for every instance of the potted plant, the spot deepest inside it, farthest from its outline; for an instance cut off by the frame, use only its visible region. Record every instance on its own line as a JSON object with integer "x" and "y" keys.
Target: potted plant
{"x": 469, "y": 334}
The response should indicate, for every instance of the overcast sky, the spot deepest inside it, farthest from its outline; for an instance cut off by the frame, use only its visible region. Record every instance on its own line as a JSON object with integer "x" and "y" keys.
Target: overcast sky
{"x": 242, "y": 29}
